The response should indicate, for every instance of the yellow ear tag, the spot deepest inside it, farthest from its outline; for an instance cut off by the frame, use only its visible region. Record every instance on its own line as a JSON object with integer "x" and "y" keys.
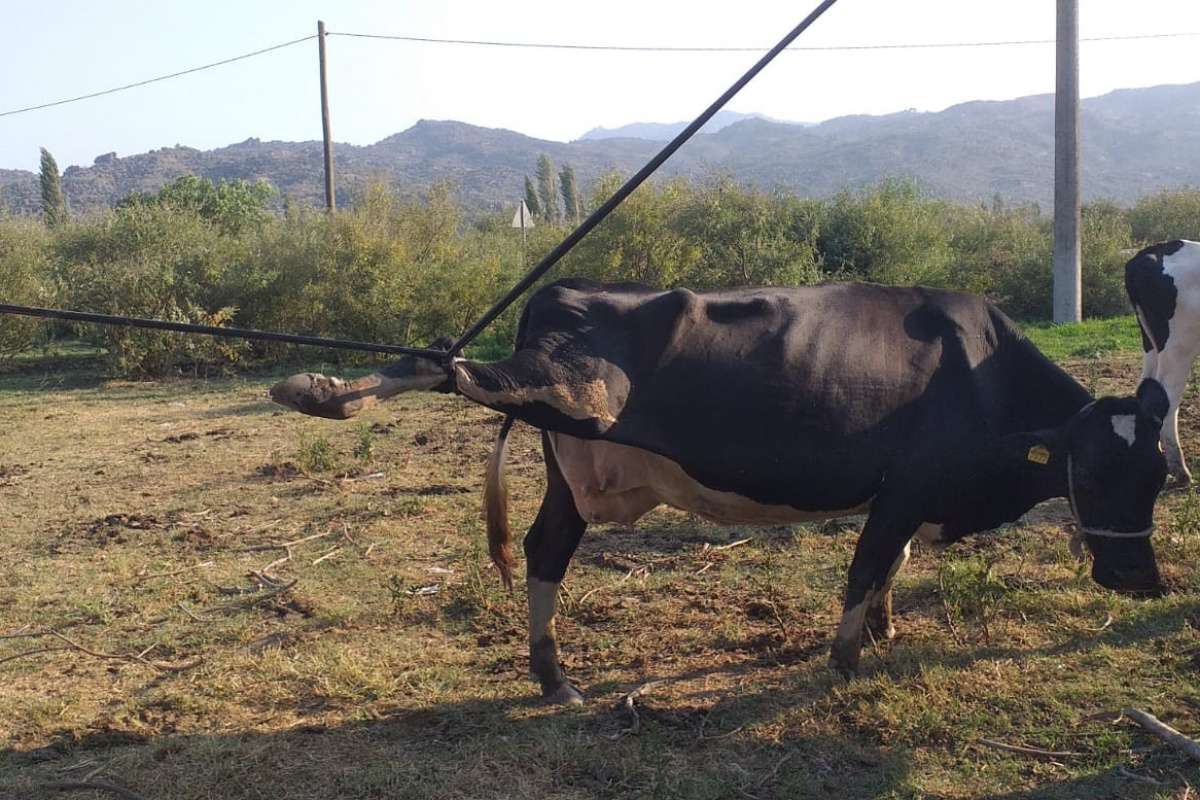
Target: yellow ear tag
{"x": 1038, "y": 454}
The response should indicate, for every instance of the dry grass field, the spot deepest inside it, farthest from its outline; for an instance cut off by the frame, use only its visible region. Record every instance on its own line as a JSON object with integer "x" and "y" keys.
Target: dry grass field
{"x": 154, "y": 633}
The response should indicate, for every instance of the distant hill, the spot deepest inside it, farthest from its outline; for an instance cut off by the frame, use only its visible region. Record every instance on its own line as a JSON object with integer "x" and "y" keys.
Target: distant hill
{"x": 1135, "y": 141}
{"x": 665, "y": 131}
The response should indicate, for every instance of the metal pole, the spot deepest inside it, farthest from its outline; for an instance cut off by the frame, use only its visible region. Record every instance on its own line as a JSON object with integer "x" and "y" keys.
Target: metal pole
{"x": 1068, "y": 290}
{"x": 330, "y": 201}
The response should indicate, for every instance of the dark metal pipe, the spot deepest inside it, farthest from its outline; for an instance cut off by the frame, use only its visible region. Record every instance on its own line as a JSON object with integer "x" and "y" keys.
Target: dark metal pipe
{"x": 228, "y": 333}
{"x": 603, "y": 211}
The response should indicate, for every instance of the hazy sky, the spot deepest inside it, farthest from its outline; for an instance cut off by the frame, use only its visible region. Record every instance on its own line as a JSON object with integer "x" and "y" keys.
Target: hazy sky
{"x": 61, "y": 48}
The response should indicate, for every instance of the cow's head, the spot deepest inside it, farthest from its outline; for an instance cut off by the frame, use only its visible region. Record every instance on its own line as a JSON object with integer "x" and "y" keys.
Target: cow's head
{"x": 334, "y": 398}
{"x": 1114, "y": 471}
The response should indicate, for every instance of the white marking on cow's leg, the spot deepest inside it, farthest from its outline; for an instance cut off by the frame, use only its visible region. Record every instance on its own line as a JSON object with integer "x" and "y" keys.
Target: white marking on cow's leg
{"x": 879, "y": 615}
{"x": 1150, "y": 365}
{"x": 847, "y": 642}
{"x": 1125, "y": 426}
{"x": 1174, "y": 367}
{"x": 1176, "y": 463}
{"x": 543, "y": 645}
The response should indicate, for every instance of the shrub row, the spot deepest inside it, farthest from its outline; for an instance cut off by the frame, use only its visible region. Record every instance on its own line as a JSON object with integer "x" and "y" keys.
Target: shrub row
{"x": 406, "y": 271}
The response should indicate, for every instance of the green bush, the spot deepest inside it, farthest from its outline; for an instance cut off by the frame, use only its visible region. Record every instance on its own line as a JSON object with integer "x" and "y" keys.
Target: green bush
{"x": 890, "y": 234}
{"x": 408, "y": 270}
{"x": 1004, "y": 254}
{"x": 25, "y": 279}
{"x": 1173, "y": 214}
{"x": 1106, "y": 238}
{"x": 148, "y": 260}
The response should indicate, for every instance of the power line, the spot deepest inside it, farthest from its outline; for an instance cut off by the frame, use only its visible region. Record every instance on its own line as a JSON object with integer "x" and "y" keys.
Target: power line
{"x": 189, "y": 71}
{"x": 689, "y": 49}
{"x": 592, "y": 47}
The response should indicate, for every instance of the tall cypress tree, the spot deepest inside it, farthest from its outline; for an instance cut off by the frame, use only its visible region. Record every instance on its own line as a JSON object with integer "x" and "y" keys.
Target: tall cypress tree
{"x": 547, "y": 191}
{"x": 531, "y": 198}
{"x": 570, "y": 193}
{"x": 54, "y": 205}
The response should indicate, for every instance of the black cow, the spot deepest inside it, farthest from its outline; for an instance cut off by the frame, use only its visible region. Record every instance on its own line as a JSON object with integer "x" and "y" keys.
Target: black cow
{"x": 926, "y": 409}
{"x": 1163, "y": 283}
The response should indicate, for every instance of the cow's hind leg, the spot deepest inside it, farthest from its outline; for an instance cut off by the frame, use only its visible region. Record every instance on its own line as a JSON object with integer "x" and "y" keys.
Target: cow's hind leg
{"x": 879, "y": 613}
{"x": 881, "y": 551}
{"x": 549, "y": 545}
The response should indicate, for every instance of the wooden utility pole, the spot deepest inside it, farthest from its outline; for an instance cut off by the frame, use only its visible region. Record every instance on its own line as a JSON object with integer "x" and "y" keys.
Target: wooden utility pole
{"x": 330, "y": 201}
{"x": 1068, "y": 289}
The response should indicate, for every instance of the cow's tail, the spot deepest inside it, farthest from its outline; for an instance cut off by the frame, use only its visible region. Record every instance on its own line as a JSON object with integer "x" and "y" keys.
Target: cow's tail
{"x": 495, "y": 507}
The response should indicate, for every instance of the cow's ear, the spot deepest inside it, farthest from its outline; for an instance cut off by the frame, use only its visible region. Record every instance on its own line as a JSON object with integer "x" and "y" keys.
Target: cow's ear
{"x": 1152, "y": 397}
{"x": 1034, "y": 450}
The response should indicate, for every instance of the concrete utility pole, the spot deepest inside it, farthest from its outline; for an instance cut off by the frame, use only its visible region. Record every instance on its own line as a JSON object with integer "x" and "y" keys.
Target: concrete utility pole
{"x": 330, "y": 202}
{"x": 1068, "y": 287}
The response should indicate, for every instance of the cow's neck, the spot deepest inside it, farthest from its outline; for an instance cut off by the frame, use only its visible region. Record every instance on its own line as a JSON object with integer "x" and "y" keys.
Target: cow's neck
{"x": 1041, "y": 394}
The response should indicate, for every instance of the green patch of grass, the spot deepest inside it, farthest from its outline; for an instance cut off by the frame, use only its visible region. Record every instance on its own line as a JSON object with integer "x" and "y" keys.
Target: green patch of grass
{"x": 316, "y": 455}
{"x": 364, "y": 442}
{"x": 1091, "y": 338}
{"x": 973, "y": 589}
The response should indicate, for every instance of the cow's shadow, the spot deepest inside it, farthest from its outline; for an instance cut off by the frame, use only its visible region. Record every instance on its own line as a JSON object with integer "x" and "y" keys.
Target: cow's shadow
{"x": 480, "y": 748}
{"x": 514, "y": 748}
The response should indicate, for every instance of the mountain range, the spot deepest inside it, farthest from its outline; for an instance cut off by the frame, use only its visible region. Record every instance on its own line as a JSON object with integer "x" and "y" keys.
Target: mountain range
{"x": 665, "y": 131}
{"x": 1135, "y": 142}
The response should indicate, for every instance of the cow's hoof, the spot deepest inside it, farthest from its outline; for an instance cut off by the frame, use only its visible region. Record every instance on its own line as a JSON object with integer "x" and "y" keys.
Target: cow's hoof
{"x": 844, "y": 661}
{"x": 880, "y": 628}
{"x": 564, "y": 695}
{"x": 1178, "y": 482}
{"x": 881, "y": 632}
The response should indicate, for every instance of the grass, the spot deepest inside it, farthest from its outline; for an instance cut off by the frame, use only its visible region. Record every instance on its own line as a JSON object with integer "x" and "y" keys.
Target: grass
{"x": 1092, "y": 338}
{"x": 137, "y": 514}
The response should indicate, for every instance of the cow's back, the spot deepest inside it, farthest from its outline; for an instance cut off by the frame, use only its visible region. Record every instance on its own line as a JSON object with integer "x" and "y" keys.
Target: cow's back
{"x": 801, "y": 396}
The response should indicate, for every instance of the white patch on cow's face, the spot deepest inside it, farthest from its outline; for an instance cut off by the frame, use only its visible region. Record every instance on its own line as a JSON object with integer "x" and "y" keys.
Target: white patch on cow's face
{"x": 1124, "y": 425}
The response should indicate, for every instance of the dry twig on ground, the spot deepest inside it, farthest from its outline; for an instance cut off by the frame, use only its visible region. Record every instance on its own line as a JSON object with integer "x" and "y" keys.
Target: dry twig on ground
{"x": 626, "y": 705}
{"x": 1185, "y": 745}
{"x": 1036, "y": 752}
{"x": 1124, "y": 772}
{"x": 162, "y": 666}
{"x": 145, "y": 577}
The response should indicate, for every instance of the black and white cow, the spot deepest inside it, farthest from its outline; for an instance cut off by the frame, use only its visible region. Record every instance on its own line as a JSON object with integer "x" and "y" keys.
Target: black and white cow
{"x": 926, "y": 409}
{"x": 1163, "y": 283}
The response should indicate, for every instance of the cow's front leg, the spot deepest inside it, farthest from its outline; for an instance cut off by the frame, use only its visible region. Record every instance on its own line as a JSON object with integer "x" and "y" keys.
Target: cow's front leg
{"x": 882, "y": 550}
{"x": 1174, "y": 367}
{"x": 549, "y": 545}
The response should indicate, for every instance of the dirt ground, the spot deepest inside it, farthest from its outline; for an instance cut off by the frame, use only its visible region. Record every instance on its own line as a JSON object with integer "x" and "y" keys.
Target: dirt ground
{"x": 156, "y": 634}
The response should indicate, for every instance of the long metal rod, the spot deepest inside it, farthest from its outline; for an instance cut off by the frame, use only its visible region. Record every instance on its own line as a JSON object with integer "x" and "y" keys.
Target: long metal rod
{"x": 228, "y": 333}
{"x": 603, "y": 211}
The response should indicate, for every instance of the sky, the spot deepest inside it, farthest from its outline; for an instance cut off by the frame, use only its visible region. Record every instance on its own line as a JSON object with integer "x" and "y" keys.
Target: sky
{"x": 66, "y": 48}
